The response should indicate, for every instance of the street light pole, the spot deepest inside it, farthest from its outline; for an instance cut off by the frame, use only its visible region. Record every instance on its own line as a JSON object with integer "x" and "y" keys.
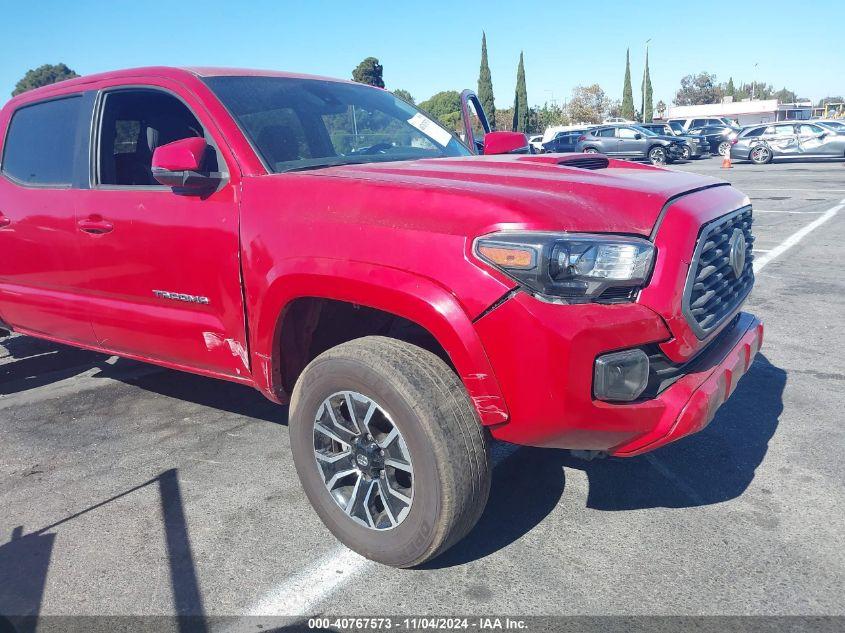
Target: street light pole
{"x": 642, "y": 88}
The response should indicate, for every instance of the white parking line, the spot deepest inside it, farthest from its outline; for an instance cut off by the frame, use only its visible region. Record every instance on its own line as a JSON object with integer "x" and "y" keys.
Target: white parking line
{"x": 788, "y": 212}
{"x": 792, "y": 240}
{"x": 671, "y": 476}
{"x": 790, "y": 189}
{"x": 300, "y": 594}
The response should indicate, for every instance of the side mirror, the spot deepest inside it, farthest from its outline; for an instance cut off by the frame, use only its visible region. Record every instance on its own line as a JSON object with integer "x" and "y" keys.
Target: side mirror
{"x": 179, "y": 165}
{"x": 638, "y": 136}
{"x": 506, "y": 143}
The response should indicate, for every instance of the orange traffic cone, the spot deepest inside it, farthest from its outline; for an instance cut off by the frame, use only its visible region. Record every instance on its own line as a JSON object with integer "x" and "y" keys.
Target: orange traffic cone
{"x": 726, "y": 161}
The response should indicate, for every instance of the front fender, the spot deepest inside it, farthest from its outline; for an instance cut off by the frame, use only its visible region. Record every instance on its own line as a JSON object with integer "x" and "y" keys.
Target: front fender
{"x": 398, "y": 292}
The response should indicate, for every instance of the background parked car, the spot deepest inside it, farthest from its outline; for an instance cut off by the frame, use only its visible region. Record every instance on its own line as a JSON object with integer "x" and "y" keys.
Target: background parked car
{"x": 717, "y": 137}
{"x": 762, "y": 143}
{"x": 565, "y": 141}
{"x": 536, "y": 142}
{"x": 689, "y": 123}
{"x": 631, "y": 141}
{"x": 836, "y": 126}
{"x": 694, "y": 147}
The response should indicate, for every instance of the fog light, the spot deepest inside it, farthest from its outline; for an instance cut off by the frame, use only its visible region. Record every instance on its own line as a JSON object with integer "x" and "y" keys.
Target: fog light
{"x": 621, "y": 375}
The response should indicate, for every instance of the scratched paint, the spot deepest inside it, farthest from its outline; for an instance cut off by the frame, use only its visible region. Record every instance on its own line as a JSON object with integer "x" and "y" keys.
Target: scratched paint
{"x": 213, "y": 341}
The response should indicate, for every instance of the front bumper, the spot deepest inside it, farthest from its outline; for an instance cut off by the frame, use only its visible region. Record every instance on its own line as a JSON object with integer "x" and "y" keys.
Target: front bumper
{"x": 543, "y": 356}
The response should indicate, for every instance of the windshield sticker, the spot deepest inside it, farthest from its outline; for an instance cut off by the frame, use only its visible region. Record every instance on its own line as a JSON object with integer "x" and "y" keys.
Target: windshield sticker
{"x": 430, "y": 129}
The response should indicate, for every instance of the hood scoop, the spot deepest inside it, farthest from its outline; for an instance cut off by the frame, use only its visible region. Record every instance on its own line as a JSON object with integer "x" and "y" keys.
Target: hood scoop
{"x": 585, "y": 161}
{"x": 580, "y": 161}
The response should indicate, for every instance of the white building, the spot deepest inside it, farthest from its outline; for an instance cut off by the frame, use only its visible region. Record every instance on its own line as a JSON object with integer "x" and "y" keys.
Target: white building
{"x": 745, "y": 112}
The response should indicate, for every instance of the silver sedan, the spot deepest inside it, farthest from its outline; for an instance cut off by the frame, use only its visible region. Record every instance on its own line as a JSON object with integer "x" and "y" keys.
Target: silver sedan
{"x": 762, "y": 143}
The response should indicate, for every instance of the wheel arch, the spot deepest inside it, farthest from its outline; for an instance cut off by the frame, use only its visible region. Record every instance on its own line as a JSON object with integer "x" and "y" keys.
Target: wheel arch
{"x": 277, "y": 340}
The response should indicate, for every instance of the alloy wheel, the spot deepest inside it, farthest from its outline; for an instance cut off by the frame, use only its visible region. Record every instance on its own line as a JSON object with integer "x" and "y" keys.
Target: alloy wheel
{"x": 657, "y": 156}
{"x": 760, "y": 155}
{"x": 363, "y": 459}
{"x": 724, "y": 147}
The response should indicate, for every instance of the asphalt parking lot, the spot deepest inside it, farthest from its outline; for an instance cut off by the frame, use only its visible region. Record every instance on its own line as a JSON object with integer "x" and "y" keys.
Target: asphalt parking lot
{"x": 130, "y": 489}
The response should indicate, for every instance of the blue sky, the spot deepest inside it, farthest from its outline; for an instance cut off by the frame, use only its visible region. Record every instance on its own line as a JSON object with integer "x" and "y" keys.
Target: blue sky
{"x": 430, "y": 46}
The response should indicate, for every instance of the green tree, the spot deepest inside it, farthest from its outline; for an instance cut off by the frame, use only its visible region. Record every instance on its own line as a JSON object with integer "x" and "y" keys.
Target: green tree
{"x": 730, "y": 89}
{"x": 546, "y": 116}
{"x": 521, "y": 115}
{"x": 785, "y": 96}
{"x": 588, "y": 104}
{"x": 369, "y": 72}
{"x": 698, "y": 89}
{"x": 648, "y": 94}
{"x": 43, "y": 76}
{"x": 485, "y": 84}
{"x": 446, "y": 107}
{"x": 627, "y": 90}
{"x": 404, "y": 95}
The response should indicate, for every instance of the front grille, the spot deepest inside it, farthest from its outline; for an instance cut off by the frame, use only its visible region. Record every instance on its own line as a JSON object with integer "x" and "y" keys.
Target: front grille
{"x": 713, "y": 291}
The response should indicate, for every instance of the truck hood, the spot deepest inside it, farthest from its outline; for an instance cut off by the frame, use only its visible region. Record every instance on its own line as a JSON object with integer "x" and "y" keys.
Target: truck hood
{"x": 565, "y": 192}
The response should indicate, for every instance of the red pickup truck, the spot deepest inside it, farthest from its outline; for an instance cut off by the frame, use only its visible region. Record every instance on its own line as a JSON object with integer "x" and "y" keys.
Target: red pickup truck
{"x": 409, "y": 294}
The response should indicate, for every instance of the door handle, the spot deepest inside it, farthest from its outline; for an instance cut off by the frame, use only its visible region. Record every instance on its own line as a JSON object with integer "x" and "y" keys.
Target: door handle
{"x": 96, "y": 225}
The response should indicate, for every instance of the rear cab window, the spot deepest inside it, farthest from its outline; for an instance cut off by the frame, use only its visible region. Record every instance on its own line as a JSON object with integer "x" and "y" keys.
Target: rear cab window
{"x": 41, "y": 143}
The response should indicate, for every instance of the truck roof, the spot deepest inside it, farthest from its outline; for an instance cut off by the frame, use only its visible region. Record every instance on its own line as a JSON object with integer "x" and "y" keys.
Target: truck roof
{"x": 168, "y": 72}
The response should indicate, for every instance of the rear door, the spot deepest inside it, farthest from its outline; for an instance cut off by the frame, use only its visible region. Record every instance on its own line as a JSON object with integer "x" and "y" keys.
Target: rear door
{"x": 164, "y": 268}
{"x": 44, "y": 167}
{"x": 783, "y": 139}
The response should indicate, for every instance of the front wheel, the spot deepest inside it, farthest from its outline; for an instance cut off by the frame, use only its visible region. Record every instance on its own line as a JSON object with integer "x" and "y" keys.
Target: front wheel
{"x": 724, "y": 148}
{"x": 657, "y": 155}
{"x": 591, "y": 150}
{"x": 761, "y": 155}
{"x": 389, "y": 450}
{"x": 687, "y": 153}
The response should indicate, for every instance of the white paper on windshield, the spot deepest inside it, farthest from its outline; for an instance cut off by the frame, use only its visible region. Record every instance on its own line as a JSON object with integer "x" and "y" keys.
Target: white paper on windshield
{"x": 430, "y": 129}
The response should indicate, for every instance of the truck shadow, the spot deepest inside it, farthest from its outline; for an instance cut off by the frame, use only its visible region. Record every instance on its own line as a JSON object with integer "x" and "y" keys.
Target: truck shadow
{"x": 710, "y": 467}
{"x": 37, "y": 363}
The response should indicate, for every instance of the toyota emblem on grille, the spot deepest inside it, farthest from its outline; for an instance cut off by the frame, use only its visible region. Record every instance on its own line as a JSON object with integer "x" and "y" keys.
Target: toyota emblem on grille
{"x": 736, "y": 256}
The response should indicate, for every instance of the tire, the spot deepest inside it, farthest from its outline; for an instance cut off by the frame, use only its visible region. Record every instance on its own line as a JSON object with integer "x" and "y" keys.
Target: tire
{"x": 724, "y": 147}
{"x": 760, "y": 155}
{"x": 591, "y": 150}
{"x": 419, "y": 396}
{"x": 657, "y": 155}
{"x": 687, "y": 153}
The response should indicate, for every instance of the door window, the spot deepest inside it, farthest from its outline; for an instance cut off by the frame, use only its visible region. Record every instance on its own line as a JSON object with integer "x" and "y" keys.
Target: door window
{"x": 626, "y": 132}
{"x": 133, "y": 124}
{"x": 809, "y": 130}
{"x": 608, "y": 131}
{"x": 41, "y": 142}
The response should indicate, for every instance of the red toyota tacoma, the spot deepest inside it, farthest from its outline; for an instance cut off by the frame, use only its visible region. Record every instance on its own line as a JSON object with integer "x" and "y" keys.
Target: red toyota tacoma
{"x": 410, "y": 295}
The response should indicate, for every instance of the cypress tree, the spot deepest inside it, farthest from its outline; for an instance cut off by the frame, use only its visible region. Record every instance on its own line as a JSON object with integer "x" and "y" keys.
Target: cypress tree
{"x": 485, "y": 85}
{"x": 648, "y": 94}
{"x": 730, "y": 90}
{"x": 627, "y": 90}
{"x": 520, "y": 101}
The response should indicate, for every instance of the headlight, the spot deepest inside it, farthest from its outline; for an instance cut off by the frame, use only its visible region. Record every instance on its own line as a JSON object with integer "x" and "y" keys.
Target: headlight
{"x": 573, "y": 267}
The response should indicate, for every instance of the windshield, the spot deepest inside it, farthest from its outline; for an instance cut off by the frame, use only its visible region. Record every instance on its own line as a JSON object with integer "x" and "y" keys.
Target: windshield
{"x": 643, "y": 130}
{"x": 299, "y": 123}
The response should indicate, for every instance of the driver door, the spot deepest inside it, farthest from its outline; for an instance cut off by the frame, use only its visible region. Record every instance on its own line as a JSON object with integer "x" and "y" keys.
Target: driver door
{"x": 163, "y": 271}
{"x": 475, "y": 122}
{"x": 629, "y": 143}
{"x": 812, "y": 140}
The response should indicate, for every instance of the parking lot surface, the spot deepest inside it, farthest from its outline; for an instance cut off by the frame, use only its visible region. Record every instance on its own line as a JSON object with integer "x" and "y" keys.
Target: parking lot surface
{"x": 130, "y": 489}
